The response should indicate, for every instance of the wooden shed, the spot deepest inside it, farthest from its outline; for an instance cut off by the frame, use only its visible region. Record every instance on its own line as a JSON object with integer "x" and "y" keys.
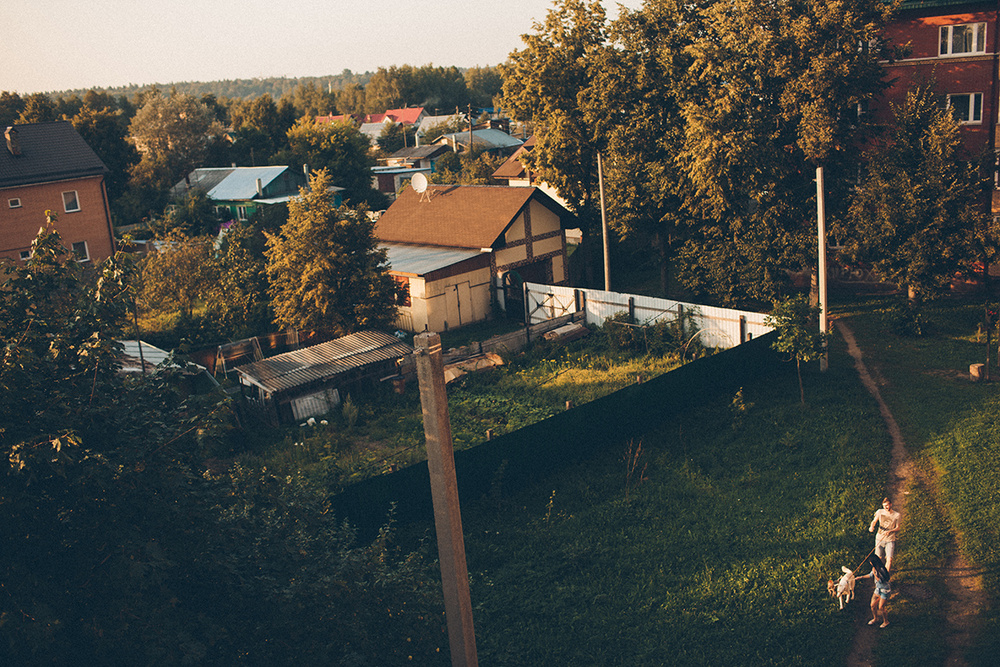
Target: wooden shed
{"x": 312, "y": 381}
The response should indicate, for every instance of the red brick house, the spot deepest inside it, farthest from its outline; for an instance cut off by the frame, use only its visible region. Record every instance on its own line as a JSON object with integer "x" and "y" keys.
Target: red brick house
{"x": 49, "y": 167}
{"x": 955, "y": 43}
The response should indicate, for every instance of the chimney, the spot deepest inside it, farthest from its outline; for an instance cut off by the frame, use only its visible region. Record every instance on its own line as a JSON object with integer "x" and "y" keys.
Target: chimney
{"x": 260, "y": 188}
{"x": 13, "y": 145}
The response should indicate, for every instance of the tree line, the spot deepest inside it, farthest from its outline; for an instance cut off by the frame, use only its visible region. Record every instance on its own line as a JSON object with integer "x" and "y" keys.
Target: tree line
{"x": 712, "y": 117}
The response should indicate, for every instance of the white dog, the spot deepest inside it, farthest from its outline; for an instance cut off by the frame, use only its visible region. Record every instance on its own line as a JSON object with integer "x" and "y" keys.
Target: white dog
{"x": 843, "y": 590}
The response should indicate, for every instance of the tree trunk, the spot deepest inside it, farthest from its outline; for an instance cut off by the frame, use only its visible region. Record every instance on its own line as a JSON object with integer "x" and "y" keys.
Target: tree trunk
{"x": 661, "y": 248}
{"x": 798, "y": 369}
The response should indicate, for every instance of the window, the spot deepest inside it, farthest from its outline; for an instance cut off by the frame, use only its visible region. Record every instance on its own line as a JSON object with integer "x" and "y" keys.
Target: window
{"x": 70, "y": 201}
{"x": 961, "y": 39}
{"x": 402, "y": 291}
{"x": 80, "y": 250}
{"x": 25, "y": 255}
{"x": 967, "y": 107}
{"x": 241, "y": 212}
{"x": 14, "y": 203}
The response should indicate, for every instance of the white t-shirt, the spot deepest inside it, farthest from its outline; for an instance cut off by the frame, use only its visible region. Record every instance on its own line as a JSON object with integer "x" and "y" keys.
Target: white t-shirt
{"x": 888, "y": 526}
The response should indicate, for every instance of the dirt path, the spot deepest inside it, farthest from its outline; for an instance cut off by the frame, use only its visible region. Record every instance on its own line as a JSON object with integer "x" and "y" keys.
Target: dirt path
{"x": 964, "y": 585}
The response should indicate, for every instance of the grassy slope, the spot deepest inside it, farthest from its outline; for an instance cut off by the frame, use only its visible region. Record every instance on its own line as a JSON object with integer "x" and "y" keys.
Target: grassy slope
{"x": 949, "y": 427}
{"x": 720, "y": 556}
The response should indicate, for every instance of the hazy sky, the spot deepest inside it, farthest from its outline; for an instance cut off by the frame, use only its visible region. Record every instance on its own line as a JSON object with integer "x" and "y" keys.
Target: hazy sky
{"x": 51, "y": 45}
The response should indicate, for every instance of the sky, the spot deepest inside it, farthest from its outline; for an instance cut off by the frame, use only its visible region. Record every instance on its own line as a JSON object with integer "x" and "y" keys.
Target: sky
{"x": 55, "y": 45}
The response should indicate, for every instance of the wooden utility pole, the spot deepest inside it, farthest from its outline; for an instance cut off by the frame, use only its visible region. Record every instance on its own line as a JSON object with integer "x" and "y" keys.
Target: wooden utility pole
{"x": 444, "y": 493}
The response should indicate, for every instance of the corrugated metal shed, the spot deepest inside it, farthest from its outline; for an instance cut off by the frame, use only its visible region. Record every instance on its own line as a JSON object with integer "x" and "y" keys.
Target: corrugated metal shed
{"x": 420, "y": 260}
{"x": 322, "y": 362}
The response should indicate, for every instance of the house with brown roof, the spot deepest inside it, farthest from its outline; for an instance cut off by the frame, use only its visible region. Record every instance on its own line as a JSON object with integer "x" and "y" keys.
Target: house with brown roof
{"x": 49, "y": 167}
{"x": 458, "y": 249}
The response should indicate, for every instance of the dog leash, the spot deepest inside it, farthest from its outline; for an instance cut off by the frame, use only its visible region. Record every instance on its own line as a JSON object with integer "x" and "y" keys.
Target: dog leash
{"x": 863, "y": 560}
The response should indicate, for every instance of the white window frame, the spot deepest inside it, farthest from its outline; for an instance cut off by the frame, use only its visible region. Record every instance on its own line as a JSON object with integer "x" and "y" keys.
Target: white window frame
{"x": 14, "y": 202}
{"x": 76, "y": 199}
{"x": 975, "y": 108}
{"x": 85, "y": 257}
{"x": 241, "y": 213}
{"x": 946, "y": 40}
{"x": 25, "y": 255}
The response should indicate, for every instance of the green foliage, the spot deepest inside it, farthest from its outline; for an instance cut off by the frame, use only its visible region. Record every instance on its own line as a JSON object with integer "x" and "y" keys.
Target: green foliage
{"x": 907, "y": 319}
{"x": 172, "y": 134}
{"x": 727, "y": 543}
{"x": 189, "y": 216}
{"x": 119, "y": 549}
{"x": 177, "y": 274}
{"x": 913, "y": 215}
{"x": 395, "y": 136}
{"x": 659, "y": 338}
{"x": 325, "y": 268}
{"x": 338, "y": 148}
{"x": 798, "y": 334}
{"x": 473, "y": 167}
{"x": 237, "y": 298}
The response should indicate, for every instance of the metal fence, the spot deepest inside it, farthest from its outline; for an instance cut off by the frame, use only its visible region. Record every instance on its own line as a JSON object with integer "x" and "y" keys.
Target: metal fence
{"x": 717, "y": 327}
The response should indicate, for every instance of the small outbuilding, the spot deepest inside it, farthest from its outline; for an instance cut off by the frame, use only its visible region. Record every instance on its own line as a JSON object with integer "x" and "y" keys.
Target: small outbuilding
{"x": 312, "y": 381}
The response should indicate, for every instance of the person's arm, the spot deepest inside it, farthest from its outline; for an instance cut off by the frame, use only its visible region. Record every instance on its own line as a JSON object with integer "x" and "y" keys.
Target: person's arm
{"x": 871, "y": 528}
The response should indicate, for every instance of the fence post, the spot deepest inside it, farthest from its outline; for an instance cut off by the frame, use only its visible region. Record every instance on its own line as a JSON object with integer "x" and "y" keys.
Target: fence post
{"x": 631, "y": 310}
{"x": 743, "y": 329}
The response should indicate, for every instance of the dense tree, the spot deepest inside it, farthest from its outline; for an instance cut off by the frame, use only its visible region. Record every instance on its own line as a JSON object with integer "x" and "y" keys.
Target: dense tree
{"x": 484, "y": 84}
{"x": 474, "y": 167}
{"x": 310, "y": 100}
{"x": 11, "y": 106}
{"x": 258, "y": 131}
{"x": 395, "y": 136}
{"x": 338, "y": 148}
{"x": 173, "y": 135}
{"x": 237, "y": 298}
{"x": 914, "y": 213}
{"x": 120, "y": 549}
{"x": 545, "y": 84}
{"x": 325, "y": 267}
{"x": 177, "y": 274}
{"x": 351, "y": 99}
{"x": 771, "y": 93}
{"x": 105, "y": 129}
{"x": 38, "y": 108}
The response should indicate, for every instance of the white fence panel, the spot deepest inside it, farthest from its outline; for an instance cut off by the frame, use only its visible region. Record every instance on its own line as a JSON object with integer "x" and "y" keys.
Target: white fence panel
{"x": 717, "y": 327}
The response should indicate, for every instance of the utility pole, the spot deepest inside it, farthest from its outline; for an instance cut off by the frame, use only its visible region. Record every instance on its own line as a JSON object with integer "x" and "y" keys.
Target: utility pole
{"x": 604, "y": 225}
{"x": 824, "y": 361}
{"x": 444, "y": 493}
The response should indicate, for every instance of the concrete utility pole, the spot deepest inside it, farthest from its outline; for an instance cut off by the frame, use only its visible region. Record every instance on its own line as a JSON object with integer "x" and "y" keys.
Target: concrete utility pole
{"x": 604, "y": 225}
{"x": 824, "y": 361}
{"x": 444, "y": 493}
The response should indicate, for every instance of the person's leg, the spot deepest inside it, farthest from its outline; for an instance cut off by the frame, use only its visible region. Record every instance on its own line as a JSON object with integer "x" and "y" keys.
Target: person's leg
{"x": 874, "y": 606}
{"x": 890, "y": 552}
{"x": 883, "y": 612}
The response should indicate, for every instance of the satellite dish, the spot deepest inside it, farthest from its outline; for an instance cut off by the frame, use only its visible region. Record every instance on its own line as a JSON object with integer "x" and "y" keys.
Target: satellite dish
{"x": 419, "y": 183}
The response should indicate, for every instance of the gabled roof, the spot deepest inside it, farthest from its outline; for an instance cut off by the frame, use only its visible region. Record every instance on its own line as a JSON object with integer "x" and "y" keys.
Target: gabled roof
{"x": 408, "y": 116}
{"x": 48, "y": 152}
{"x": 456, "y": 216}
{"x": 512, "y": 167}
{"x": 420, "y": 152}
{"x": 486, "y": 138}
{"x": 228, "y": 183}
{"x": 322, "y": 362}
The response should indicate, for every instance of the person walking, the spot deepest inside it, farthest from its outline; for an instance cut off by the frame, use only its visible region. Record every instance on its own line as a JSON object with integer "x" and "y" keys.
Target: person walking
{"x": 880, "y": 596}
{"x": 887, "y": 521}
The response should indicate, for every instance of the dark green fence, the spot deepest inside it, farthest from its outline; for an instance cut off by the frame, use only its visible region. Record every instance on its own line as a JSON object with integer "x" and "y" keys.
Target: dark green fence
{"x": 535, "y": 452}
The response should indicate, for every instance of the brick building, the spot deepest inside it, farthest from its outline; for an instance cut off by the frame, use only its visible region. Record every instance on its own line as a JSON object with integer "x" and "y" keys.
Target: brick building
{"x": 953, "y": 42}
{"x": 49, "y": 167}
